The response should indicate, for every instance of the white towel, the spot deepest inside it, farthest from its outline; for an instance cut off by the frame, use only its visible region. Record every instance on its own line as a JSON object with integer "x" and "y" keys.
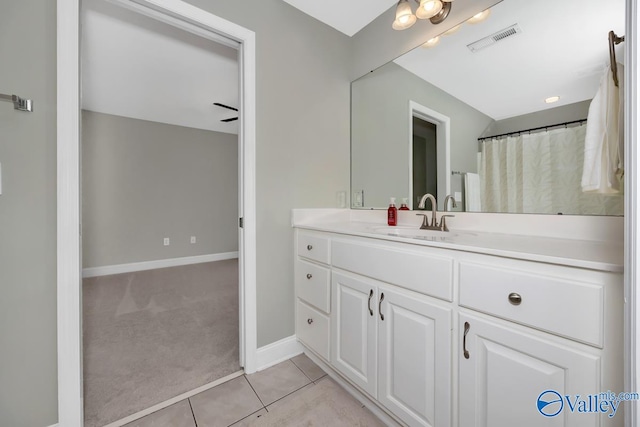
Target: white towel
{"x": 604, "y": 141}
{"x": 472, "y": 192}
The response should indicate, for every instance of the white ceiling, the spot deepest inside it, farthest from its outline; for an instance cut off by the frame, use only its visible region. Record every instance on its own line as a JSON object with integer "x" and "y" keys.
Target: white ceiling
{"x": 562, "y": 51}
{"x": 348, "y": 16}
{"x": 137, "y": 67}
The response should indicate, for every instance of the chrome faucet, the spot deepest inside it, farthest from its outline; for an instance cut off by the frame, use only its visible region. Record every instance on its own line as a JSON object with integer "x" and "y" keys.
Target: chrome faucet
{"x": 446, "y": 202}
{"x": 434, "y": 221}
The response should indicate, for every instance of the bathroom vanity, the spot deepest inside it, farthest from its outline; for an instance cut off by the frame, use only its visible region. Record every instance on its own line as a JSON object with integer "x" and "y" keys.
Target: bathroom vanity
{"x": 466, "y": 328}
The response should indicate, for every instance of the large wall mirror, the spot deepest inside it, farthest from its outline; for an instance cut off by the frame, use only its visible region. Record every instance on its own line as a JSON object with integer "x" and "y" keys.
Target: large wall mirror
{"x": 471, "y": 114}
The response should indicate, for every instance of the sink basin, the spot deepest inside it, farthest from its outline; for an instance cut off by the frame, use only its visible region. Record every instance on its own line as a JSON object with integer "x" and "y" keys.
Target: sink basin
{"x": 416, "y": 233}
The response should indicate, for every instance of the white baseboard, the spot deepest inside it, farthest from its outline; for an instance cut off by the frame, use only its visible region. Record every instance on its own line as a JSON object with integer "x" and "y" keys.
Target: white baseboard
{"x": 277, "y": 352}
{"x": 55, "y": 425}
{"x": 151, "y": 265}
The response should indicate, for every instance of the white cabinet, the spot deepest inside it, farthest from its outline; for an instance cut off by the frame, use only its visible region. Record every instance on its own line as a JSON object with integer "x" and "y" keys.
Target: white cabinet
{"x": 504, "y": 371}
{"x": 382, "y": 313}
{"x": 354, "y": 330}
{"x": 414, "y": 358}
{"x": 395, "y": 346}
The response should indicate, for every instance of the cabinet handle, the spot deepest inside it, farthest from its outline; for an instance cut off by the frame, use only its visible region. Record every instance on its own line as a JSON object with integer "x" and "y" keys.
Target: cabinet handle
{"x": 309, "y": 247}
{"x": 309, "y": 276}
{"x": 369, "y": 303}
{"x": 309, "y": 320}
{"x": 380, "y": 306}
{"x": 465, "y": 352}
{"x": 515, "y": 299}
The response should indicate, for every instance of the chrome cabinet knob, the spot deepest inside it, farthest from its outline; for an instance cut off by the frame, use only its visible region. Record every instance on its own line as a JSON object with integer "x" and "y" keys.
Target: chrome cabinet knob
{"x": 309, "y": 247}
{"x": 515, "y": 299}
{"x": 309, "y": 276}
{"x": 309, "y": 320}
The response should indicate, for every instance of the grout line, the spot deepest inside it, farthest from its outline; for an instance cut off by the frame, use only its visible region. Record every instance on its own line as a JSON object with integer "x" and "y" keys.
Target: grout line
{"x": 192, "y": 413}
{"x": 300, "y": 369}
{"x": 318, "y": 379}
{"x": 289, "y": 394}
{"x": 251, "y": 414}
{"x": 256, "y": 393}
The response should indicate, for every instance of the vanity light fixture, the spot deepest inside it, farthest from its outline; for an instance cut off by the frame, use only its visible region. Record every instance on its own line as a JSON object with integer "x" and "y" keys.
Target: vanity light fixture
{"x": 435, "y": 11}
{"x": 552, "y": 99}
{"x": 479, "y": 17}
{"x": 431, "y": 42}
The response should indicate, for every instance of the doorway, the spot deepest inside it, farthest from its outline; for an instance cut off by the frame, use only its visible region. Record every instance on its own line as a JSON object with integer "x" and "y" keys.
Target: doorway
{"x": 195, "y": 21}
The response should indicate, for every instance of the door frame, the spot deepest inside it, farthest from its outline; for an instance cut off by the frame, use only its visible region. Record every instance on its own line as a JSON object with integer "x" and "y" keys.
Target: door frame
{"x": 69, "y": 243}
{"x": 443, "y": 147}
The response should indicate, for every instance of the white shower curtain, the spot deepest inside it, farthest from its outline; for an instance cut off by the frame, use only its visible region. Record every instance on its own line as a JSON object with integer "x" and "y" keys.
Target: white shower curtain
{"x": 540, "y": 173}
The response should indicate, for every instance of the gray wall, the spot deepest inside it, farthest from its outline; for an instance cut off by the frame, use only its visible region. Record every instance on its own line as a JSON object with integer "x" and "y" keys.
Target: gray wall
{"x": 28, "y": 216}
{"x": 143, "y": 181}
{"x": 565, "y": 113}
{"x": 380, "y": 134}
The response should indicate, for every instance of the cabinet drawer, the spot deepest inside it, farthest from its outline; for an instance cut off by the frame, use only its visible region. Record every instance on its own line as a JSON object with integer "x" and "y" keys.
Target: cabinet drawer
{"x": 312, "y": 328}
{"x": 313, "y": 284}
{"x": 314, "y": 247}
{"x": 415, "y": 270}
{"x": 566, "y": 307}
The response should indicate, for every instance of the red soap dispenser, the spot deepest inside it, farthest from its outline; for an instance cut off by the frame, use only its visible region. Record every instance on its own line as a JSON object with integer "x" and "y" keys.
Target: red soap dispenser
{"x": 403, "y": 206}
{"x": 392, "y": 213}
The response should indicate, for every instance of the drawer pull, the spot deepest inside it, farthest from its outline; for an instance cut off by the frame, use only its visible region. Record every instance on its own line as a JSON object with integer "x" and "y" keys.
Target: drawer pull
{"x": 465, "y": 352}
{"x": 515, "y": 299}
{"x": 309, "y": 276}
{"x": 309, "y": 320}
{"x": 369, "y": 303}
{"x": 380, "y": 306}
{"x": 309, "y": 247}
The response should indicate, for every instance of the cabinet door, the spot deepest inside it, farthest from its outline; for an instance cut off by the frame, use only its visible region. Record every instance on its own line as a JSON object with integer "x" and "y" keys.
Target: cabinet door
{"x": 353, "y": 337}
{"x": 414, "y": 337}
{"x": 506, "y": 371}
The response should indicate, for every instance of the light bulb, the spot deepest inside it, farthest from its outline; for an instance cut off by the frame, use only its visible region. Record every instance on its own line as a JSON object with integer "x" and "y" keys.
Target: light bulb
{"x": 479, "y": 17}
{"x": 404, "y": 16}
{"x": 428, "y": 8}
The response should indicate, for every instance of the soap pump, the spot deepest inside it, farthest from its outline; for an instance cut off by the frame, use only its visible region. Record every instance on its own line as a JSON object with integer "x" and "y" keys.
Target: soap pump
{"x": 403, "y": 206}
{"x": 392, "y": 213}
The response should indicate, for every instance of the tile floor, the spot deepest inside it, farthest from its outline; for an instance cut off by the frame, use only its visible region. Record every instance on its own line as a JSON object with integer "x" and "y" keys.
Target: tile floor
{"x": 294, "y": 392}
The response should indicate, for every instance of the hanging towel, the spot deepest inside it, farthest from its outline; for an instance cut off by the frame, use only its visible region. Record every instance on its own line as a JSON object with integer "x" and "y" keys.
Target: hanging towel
{"x": 472, "y": 192}
{"x": 604, "y": 141}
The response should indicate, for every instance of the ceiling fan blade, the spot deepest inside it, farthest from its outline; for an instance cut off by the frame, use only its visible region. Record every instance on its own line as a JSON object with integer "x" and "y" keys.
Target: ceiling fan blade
{"x": 229, "y": 120}
{"x": 225, "y": 106}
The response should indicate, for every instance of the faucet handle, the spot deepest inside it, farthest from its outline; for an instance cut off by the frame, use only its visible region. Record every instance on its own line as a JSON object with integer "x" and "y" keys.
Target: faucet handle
{"x": 425, "y": 223}
{"x": 443, "y": 222}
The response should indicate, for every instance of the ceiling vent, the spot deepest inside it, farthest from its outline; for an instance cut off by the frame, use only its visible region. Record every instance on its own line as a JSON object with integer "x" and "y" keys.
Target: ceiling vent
{"x": 495, "y": 38}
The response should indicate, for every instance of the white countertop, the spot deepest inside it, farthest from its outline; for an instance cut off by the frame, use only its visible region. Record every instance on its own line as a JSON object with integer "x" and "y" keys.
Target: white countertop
{"x": 590, "y": 254}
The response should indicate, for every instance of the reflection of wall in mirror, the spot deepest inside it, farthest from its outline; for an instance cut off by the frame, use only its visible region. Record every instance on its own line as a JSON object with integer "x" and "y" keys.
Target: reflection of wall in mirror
{"x": 380, "y": 131}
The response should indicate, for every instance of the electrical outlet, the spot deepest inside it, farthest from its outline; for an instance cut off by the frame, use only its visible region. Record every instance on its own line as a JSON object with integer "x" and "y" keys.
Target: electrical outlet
{"x": 341, "y": 199}
{"x": 358, "y": 198}
{"x": 167, "y": 242}
{"x": 193, "y": 239}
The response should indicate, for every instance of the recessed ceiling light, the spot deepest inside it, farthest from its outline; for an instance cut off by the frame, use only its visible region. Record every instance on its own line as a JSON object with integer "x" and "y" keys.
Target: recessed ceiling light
{"x": 479, "y": 17}
{"x": 552, "y": 99}
{"x": 431, "y": 42}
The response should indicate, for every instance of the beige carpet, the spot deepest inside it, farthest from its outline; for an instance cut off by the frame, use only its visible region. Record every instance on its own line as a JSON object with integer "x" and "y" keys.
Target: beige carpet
{"x": 152, "y": 335}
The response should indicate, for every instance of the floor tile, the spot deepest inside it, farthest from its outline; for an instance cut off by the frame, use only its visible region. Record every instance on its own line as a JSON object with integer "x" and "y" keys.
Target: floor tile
{"x": 310, "y": 369}
{"x": 283, "y": 401}
{"x": 225, "y": 404}
{"x": 176, "y": 415}
{"x": 277, "y": 381}
{"x": 250, "y": 419}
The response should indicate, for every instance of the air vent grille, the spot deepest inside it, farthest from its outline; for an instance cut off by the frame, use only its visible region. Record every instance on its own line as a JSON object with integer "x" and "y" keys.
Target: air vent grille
{"x": 495, "y": 38}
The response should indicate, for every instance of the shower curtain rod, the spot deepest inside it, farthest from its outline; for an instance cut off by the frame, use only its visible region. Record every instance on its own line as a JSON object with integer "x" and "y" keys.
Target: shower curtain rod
{"x": 541, "y": 128}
